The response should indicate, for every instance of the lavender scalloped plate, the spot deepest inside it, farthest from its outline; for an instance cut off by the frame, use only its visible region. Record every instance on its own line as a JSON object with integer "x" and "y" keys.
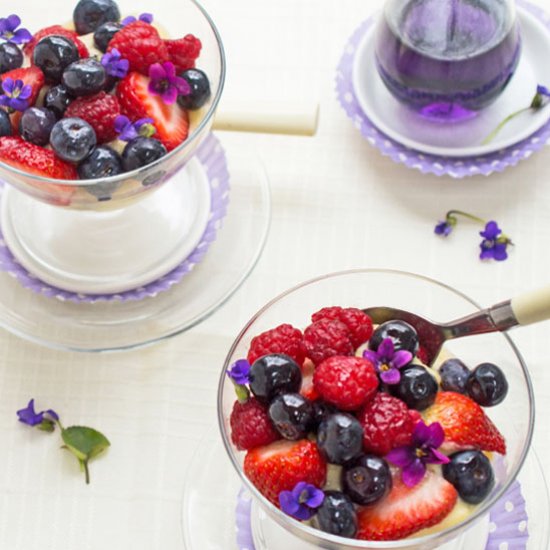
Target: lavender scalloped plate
{"x": 440, "y": 148}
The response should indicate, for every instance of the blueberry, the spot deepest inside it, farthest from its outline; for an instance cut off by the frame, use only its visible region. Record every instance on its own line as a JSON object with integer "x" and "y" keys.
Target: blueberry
{"x": 321, "y": 410}
{"x": 454, "y": 374}
{"x": 36, "y": 125}
{"x": 11, "y": 57}
{"x": 367, "y": 480}
{"x": 471, "y": 474}
{"x": 72, "y": 139}
{"x": 273, "y": 374}
{"x": 57, "y": 99}
{"x": 487, "y": 385}
{"x": 292, "y": 415}
{"x": 84, "y": 77}
{"x": 200, "y": 89}
{"x": 103, "y": 162}
{"x": 104, "y": 34}
{"x": 403, "y": 336}
{"x": 337, "y": 515}
{"x": 53, "y": 54}
{"x": 340, "y": 438}
{"x": 417, "y": 387}
{"x": 5, "y": 124}
{"x": 141, "y": 151}
{"x": 88, "y": 15}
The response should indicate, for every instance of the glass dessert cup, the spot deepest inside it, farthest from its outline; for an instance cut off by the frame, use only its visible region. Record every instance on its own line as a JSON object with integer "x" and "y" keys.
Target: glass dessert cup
{"x": 430, "y": 299}
{"x": 118, "y": 233}
{"x": 447, "y": 59}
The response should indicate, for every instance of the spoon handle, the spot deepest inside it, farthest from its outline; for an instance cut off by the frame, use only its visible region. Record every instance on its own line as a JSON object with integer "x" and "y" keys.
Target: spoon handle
{"x": 532, "y": 307}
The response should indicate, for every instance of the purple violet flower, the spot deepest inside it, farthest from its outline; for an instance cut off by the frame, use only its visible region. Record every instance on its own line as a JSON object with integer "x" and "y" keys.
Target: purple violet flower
{"x": 493, "y": 244}
{"x": 9, "y": 32}
{"x": 301, "y": 502}
{"x": 166, "y": 84}
{"x": 443, "y": 228}
{"x": 543, "y": 90}
{"x": 145, "y": 17}
{"x": 387, "y": 361}
{"x": 239, "y": 372}
{"x": 114, "y": 64}
{"x": 128, "y": 130}
{"x": 412, "y": 459}
{"x": 15, "y": 94}
{"x": 30, "y": 417}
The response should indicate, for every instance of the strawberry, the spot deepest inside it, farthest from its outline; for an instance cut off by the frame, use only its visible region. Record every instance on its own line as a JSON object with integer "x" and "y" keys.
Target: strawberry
{"x": 465, "y": 424}
{"x": 57, "y": 30}
{"x": 171, "y": 121}
{"x": 184, "y": 51}
{"x": 141, "y": 44}
{"x": 281, "y": 465}
{"x": 407, "y": 510}
{"x": 308, "y": 389}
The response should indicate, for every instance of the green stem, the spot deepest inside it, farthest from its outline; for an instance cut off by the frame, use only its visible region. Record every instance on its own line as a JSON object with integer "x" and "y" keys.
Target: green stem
{"x": 452, "y": 213}
{"x": 494, "y": 133}
{"x": 87, "y": 472}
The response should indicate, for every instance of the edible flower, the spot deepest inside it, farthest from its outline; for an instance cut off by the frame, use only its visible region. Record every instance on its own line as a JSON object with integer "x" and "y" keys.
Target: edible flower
{"x": 412, "y": 459}
{"x": 30, "y": 417}
{"x": 301, "y": 503}
{"x": 239, "y": 373}
{"x": 15, "y": 94}
{"x": 128, "y": 130}
{"x": 165, "y": 83}
{"x": 10, "y": 33}
{"x": 114, "y": 64}
{"x": 145, "y": 17}
{"x": 387, "y": 361}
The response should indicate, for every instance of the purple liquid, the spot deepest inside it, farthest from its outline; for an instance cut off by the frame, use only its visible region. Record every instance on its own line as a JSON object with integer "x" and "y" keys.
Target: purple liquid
{"x": 448, "y": 59}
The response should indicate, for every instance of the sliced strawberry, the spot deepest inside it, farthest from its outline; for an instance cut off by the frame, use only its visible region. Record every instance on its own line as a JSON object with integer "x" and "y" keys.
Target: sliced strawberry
{"x": 281, "y": 465}
{"x": 184, "y": 51}
{"x": 57, "y": 30}
{"x": 465, "y": 424}
{"x": 407, "y": 510}
{"x": 171, "y": 121}
{"x": 308, "y": 389}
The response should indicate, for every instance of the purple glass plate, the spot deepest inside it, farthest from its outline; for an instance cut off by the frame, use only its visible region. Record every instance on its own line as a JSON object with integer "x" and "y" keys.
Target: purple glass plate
{"x": 212, "y": 158}
{"x": 427, "y": 163}
{"x": 507, "y": 522}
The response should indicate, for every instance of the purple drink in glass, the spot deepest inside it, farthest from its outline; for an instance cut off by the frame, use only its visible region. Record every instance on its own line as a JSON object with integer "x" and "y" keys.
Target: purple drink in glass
{"x": 447, "y": 59}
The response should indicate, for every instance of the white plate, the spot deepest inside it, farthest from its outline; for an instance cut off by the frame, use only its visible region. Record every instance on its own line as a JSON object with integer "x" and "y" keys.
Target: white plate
{"x": 459, "y": 139}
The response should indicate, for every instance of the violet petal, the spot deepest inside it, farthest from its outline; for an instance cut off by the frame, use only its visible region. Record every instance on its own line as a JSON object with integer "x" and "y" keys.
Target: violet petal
{"x": 371, "y": 356}
{"x": 436, "y": 457}
{"x": 182, "y": 86}
{"x": 437, "y": 435}
{"x": 21, "y": 36}
{"x": 491, "y": 231}
{"x": 413, "y": 473}
{"x": 18, "y": 104}
{"x": 156, "y": 72}
{"x": 543, "y": 90}
{"x": 146, "y": 18}
{"x": 29, "y": 416}
{"x": 3, "y": 25}
{"x": 391, "y": 376}
{"x": 8, "y": 84}
{"x": 25, "y": 92}
{"x": 169, "y": 96}
{"x": 303, "y": 513}
{"x": 401, "y": 358}
{"x": 401, "y": 456}
{"x": 52, "y": 414}
{"x": 316, "y": 498}
{"x": 121, "y": 122}
{"x": 13, "y": 21}
{"x": 288, "y": 503}
{"x": 421, "y": 434}
{"x": 385, "y": 349}
{"x": 499, "y": 252}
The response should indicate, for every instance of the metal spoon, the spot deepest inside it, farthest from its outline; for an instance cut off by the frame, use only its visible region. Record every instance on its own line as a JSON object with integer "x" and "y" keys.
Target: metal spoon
{"x": 525, "y": 309}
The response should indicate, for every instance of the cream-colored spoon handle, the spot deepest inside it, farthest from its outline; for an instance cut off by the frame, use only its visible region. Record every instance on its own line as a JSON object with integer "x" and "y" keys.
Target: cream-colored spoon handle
{"x": 296, "y": 119}
{"x": 532, "y": 307}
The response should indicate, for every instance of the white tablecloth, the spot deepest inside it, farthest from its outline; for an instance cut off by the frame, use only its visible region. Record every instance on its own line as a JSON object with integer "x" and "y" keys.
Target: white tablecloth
{"x": 337, "y": 204}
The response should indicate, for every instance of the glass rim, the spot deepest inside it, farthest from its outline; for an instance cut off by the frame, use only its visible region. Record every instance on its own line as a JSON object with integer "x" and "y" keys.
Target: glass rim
{"x": 312, "y": 533}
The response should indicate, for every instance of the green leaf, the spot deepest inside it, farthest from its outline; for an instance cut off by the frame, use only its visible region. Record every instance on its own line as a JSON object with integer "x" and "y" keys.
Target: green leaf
{"x": 85, "y": 443}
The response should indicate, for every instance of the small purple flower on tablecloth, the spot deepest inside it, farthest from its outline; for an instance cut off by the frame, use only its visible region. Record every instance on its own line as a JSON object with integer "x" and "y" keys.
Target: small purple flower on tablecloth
{"x": 443, "y": 228}
{"x": 128, "y": 130}
{"x": 114, "y": 64}
{"x": 239, "y": 372}
{"x": 30, "y": 417}
{"x": 387, "y": 361}
{"x": 145, "y": 17}
{"x": 10, "y": 33}
{"x": 166, "y": 84}
{"x": 412, "y": 459}
{"x": 15, "y": 94}
{"x": 301, "y": 503}
{"x": 494, "y": 244}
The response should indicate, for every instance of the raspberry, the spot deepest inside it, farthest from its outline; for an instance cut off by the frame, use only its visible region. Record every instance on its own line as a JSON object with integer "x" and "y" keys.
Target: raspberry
{"x": 184, "y": 52}
{"x": 141, "y": 44}
{"x": 57, "y": 30}
{"x": 386, "y": 424}
{"x": 100, "y": 111}
{"x": 282, "y": 339}
{"x": 358, "y": 322}
{"x": 251, "y": 426}
{"x": 422, "y": 355}
{"x": 326, "y": 338}
{"x": 347, "y": 382}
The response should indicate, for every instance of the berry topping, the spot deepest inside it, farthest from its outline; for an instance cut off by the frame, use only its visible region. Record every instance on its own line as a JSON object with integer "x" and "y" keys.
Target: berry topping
{"x": 282, "y": 339}
{"x": 34, "y": 159}
{"x": 141, "y": 151}
{"x": 464, "y": 423}
{"x": 99, "y": 111}
{"x": 358, "y": 322}
{"x": 11, "y": 57}
{"x": 104, "y": 34}
{"x": 5, "y": 124}
{"x": 487, "y": 385}
{"x": 454, "y": 375}
{"x": 57, "y": 30}
{"x": 84, "y": 77}
{"x": 347, "y": 382}
{"x": 281, "y": 465}
{"x": 407, "y": 510}
{"x": 53, "y": 55}
{"x": 326, "y": 338}
{"x": 36, "y": 125}
{"x": 103, "y": 162}
{"x": 72, "y": 139}
{"x": 88, "y": 15}
{"x": 402, "y": 334}
{"x": 29, "y": 76}
{"x": 386, "y": 424}
{"x": 417, "y": 387}
{"x": 292, "y": 415}
{"x": 57, "y": 99}
{"x": 136, "y": 102}
{"x": 337, "y": 515}
{"x": 471, "y": 474}
{"x": 251, "y": 426}
{"x": 200, "y": 89}
{"x": 340, "y": 438}
{"x": 141, "y": 44}
{"x": 183, "y": 52}
{"x": 273, "y": 375}
{"x": 367, "y": 479}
